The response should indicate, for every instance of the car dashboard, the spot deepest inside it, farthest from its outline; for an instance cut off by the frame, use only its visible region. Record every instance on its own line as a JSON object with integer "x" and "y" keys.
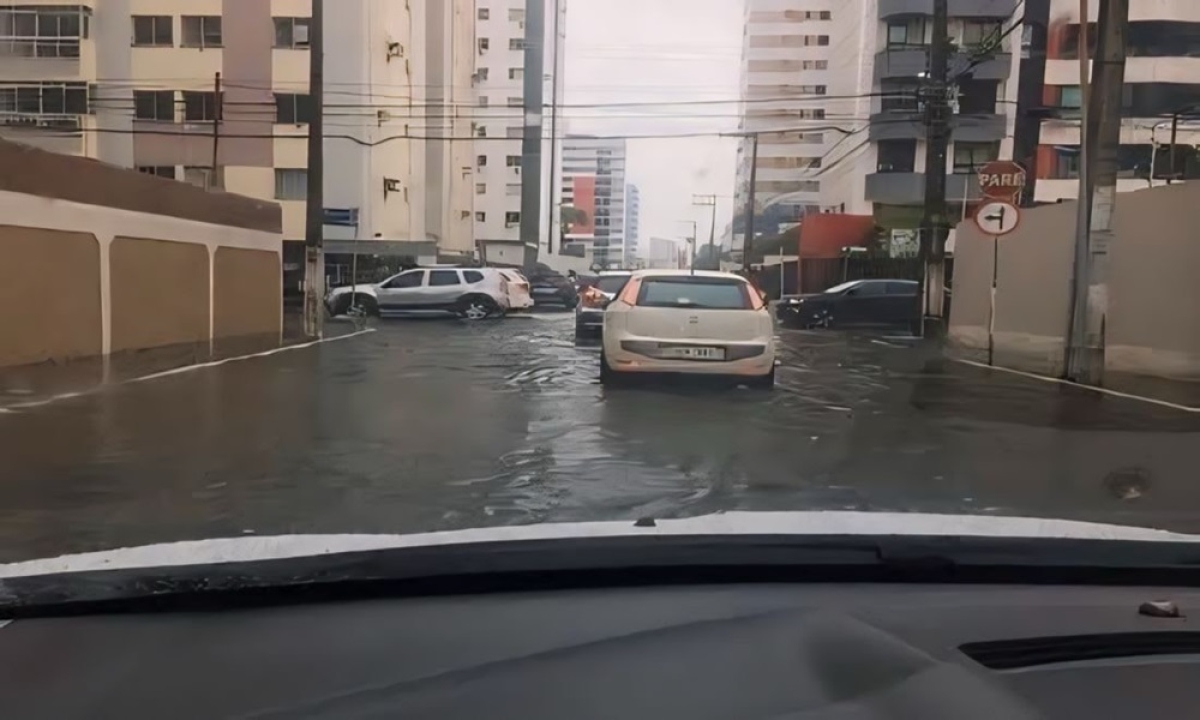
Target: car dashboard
{"x": 698, "y": 651}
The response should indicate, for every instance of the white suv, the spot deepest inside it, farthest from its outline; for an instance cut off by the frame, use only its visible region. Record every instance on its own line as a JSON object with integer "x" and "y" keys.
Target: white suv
{"x": 681, "y": 322}
{"x": 470, "y": 293}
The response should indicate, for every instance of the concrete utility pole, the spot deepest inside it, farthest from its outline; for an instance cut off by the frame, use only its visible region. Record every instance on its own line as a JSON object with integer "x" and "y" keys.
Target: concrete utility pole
{"x": 709, "y": 201}
{"x": 1089, "y": 305}
{"x": 551, "y": 226}
{"x": 218, "y": 115}
{"x": 934, "y": 228}
{"x": 314, "y": 226}
{"x": 531, "y": 144}
{"x": 748, "y": 241}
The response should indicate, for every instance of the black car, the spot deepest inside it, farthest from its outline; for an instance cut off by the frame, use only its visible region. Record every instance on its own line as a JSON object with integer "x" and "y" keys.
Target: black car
{"x": 552, "y": 288}
{"x": 854, "y": 303}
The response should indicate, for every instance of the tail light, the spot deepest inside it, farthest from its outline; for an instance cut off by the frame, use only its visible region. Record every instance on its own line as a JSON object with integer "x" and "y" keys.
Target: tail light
{"x": 593, "y": 298}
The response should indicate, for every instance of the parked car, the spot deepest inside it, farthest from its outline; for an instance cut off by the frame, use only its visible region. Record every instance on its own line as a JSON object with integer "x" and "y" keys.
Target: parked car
{"x": 552, "y": 288}
{"x": 470, "y": 293}
{"x": 589, "y": 312}
{"x": 516, "y": 287}
{"x": 851, "y": 304}
{"x": 684, "y": 322}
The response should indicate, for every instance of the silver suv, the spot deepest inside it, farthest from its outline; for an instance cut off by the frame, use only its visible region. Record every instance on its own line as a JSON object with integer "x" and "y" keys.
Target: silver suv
{"x": 470, "y": 293}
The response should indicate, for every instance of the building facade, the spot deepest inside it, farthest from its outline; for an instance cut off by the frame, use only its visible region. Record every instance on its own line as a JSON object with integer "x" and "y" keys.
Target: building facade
{"x": 1162, "y": 95}
{"x": 785, "y": 77}
{"x": 215, "y": 92}
{"x": 879, "y": 60}
{"x": 594, "y": 174}
{"x": 633, "y": 222}
{"x": 498, "y": 118}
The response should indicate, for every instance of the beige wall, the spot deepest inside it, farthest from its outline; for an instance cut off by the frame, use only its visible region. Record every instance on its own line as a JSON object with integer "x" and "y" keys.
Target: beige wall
{"x": 49, "y": 295}
{"x": 159, "y": 293}
{"x": 247, "y": 285}
{"x": 1153, "y": 321}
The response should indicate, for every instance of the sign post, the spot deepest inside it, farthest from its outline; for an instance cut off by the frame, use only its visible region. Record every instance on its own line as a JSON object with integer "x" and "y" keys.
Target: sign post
{"x": 1001, "y": 183}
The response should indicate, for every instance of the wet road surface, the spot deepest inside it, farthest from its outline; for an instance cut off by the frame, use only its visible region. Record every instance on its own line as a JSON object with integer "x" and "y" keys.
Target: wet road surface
{"x": 431, "y": 425}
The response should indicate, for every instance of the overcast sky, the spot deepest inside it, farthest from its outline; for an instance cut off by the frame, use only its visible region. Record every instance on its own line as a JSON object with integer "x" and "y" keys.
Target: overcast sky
{"x": 660, "y": 51}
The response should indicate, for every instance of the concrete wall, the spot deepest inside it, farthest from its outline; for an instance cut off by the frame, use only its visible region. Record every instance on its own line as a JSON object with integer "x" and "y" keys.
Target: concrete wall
{"x": 101, "y": 260}
{"x": 1152, "y": 324}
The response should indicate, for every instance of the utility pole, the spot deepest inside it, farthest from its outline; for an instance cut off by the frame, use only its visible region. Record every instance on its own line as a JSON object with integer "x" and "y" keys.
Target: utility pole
{"x": 314, "y": 226}
{"x": 550, "y": 224}
{"x": 748, "y": 241}
{"x": 1089, "y": 306}
{"x": 531, "y": 144}
{"x": 709, "y": 201}
{"x": 934, "y": 226}
{"x": 218, "y": 116}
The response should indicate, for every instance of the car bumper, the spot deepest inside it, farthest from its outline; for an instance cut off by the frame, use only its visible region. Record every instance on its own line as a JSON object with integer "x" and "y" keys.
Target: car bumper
{"x": 754, "y": 359}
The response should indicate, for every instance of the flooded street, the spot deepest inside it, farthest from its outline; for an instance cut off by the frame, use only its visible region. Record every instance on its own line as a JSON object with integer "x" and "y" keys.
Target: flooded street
{"x": 424, "y": 426}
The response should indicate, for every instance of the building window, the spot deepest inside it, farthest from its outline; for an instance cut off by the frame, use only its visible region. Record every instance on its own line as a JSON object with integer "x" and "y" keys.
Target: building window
{"x": 199, "y": 106}
{"x": 481, "y": 131}
{"x": 515, "y": 133}
{"x": 481, "y": 74}
{"x": 481, "y": 161}
{"x": 1069, "y": 96}
{"x": 978, "y": 97}
{"x": 978, "y": 33}
{"x": 906, "y": 33}
{"x": 153, "y": 31}
{"x": 291, "y": 184}
{"x": 516, "y": 73}
{"x": 898, "y": 97}
{"x": 481, "y": 188}
{"x": 291, "y": 33}
{"x": 970, "y": 156}
{"x": 896, "y": 156}
{"x": 484, "y": 14}
{"x": 204, "y": 177}
{"x": 201, "y": 31}
{"x": 158, "y": 105}
{"x": 480, "y": 217}
{"x": 45, "y": 99}
{"x": 516, "y": 44}
{"x": 292, "y": 109}
{"x": 483, "y": 44}
{"x": 512, "y": 189}
{"x": 162, "y": 171}
{"x": 50, "y": 31}
{"x": 512, "y": 218}
{"x": 512, "y": 160}
{"x": 516, "y": 14}
{"x": 516, "y": 102}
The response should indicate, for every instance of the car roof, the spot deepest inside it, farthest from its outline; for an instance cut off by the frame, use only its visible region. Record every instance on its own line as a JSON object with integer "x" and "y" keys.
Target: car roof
{"x": 688, "y": 273}
{"x": 615, "y": 273}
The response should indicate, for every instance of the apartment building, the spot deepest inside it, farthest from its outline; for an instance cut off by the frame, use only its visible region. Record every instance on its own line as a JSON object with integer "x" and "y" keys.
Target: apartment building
{"x": 498, "y": 116}
{"x": 784, "y": 80}
{"x": 594, "y": 176}
{"x": 633, "y": 224}
{"x": 1162, "y": 97}
{"x": 876, "y": 163}
{"x": 215, "y": 92}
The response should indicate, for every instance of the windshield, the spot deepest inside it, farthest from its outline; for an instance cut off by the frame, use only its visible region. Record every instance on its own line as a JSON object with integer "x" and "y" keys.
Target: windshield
{"x": 611, "y": 284}
{"x": 204, "y": 333}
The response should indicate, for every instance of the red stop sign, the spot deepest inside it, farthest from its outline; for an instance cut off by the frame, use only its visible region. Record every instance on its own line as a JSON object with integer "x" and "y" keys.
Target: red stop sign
{"x": 1001, "y": 179}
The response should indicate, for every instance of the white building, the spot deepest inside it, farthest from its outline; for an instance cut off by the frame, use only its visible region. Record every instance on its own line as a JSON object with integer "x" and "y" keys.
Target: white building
{"x": 594, "y": 183}
{"x": 498, "y": 120}
{"x": 786, "y": 51}
{"x": 1162, "y": 78}
{"x": 633, "y": 221}
{"x": 879, "y": 54}
{"x": 663, "y": 254}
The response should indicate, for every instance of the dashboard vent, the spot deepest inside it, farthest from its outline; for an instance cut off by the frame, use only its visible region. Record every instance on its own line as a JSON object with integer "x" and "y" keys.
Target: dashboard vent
{"x": 1029, "y": 652}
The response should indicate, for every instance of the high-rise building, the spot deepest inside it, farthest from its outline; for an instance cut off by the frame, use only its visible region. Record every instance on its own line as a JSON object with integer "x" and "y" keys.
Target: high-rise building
{"x": 1162, "y": 92}
{"x": 499, "y": 118}
{"x": 135, "y": 83}
{"x": 879, "y": 60}
{"x": 594, "y": 175}
{"x": 633, "y": 220}
{"x": 786, "y": 56}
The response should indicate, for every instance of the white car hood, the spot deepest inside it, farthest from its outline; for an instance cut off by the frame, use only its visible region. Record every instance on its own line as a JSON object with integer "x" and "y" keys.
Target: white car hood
{"x": 253, "y": 548}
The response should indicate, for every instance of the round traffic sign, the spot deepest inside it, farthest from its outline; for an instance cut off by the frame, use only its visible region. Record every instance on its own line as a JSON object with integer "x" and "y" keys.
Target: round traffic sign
{"x": 997, "y": 217}
{"x": 1001, "y": 179}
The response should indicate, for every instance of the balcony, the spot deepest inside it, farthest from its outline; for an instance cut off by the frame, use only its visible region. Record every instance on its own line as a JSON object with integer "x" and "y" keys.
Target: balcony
{"x": 889, "y": 9}
{"x": 911, "y": 126}
{"x": 911, "y": 61}
{"x": 908, "y": 188}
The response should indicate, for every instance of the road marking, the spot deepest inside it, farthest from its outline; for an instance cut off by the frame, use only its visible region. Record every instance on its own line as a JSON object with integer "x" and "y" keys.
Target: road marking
{"x": 891, "y": 345}
{"x": 12, "y": 409}
{"x": 1060, "y": 381}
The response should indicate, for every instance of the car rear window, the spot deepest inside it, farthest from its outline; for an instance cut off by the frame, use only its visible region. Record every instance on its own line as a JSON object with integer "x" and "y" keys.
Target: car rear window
{"x": 695, "y": 292}
{"x": 472, "y": 276}
{"x": 611, "y": 284}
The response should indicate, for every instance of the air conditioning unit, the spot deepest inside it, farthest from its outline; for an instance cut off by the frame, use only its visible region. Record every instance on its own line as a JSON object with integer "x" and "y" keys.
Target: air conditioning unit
{"x": 517, "y": 170}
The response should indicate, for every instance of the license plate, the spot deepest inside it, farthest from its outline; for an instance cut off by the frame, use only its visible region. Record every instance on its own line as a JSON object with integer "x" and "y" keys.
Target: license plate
{"x": 694, "y": 353}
